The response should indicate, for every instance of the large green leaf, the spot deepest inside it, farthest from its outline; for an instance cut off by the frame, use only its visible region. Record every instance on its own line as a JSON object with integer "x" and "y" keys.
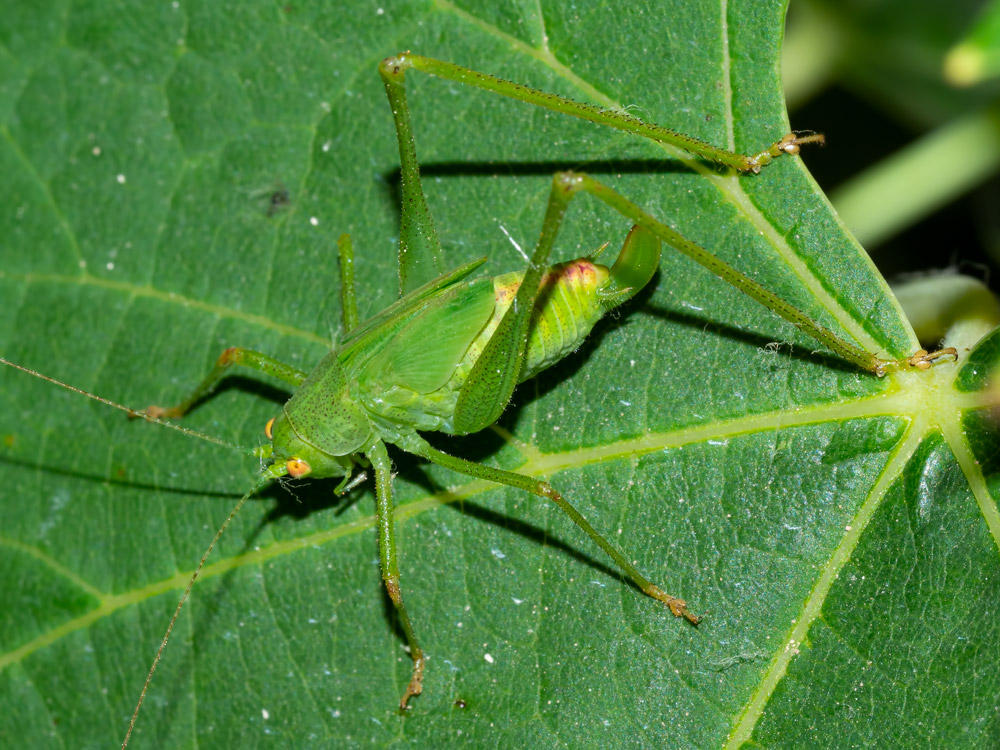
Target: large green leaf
{"x": 174, "y": 180}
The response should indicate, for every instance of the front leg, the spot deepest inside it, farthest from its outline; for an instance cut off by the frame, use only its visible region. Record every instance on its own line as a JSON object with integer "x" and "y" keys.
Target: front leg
{"x": 234, "y": 355}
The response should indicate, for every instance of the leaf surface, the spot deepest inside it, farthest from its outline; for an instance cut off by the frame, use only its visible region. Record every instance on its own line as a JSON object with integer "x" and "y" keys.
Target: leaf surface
{"x": 174, "y": 183}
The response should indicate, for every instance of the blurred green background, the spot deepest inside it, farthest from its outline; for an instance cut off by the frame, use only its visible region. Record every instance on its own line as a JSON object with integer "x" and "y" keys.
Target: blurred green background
{"x": 907, "y": 93}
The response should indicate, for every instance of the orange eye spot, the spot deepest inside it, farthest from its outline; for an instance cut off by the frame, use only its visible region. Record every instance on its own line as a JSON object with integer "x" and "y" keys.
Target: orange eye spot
{"x": 267, "y": 429}
{"x": 297, "y": 468}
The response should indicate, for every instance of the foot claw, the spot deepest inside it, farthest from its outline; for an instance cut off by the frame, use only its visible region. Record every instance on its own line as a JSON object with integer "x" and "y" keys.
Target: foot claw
{"x": 790, "y": 144}
{"x": 924, "y": 360}
{"x": 416, "y": 686}
{"x": 679, "y": 608}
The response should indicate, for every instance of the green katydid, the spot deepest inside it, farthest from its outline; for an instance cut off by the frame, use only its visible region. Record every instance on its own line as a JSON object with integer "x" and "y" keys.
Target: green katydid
{"x": 383, "y": 385}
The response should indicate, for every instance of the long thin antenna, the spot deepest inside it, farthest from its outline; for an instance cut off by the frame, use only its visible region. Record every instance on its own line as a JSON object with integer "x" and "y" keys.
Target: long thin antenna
{"x": 265, "y": 477}
{"x": 131, "y": 412}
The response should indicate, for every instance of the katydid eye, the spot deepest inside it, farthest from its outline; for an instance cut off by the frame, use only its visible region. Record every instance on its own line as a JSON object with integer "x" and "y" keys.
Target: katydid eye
{"x": 297, "y": 468}
{"x": 267, "y": 429}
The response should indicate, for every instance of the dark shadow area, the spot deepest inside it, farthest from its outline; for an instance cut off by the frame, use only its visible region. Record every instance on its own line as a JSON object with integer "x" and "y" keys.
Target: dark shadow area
{"x": 543, "y": 538}
{"x": 811, "y": 352}
{"x": 114, "y": 481}
{"x": 549, "y": 168}
{"x": 476, "y": 447}
{"x": 298, "y": 499}
{"x": 391, "y": 181}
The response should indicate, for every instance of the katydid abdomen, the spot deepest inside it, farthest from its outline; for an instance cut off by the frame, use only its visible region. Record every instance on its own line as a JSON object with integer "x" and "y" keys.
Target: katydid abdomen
{"x": 567, "y": 308}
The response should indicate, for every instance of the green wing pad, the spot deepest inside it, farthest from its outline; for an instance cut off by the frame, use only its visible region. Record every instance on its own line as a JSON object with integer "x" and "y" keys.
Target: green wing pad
{"x": 362, "y": 335}
{"x": 423, "y": 355}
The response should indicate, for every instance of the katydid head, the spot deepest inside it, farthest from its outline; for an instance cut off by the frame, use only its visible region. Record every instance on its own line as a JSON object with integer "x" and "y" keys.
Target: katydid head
{"x": 320, "y": 429}
{"x": 292, "y": 455}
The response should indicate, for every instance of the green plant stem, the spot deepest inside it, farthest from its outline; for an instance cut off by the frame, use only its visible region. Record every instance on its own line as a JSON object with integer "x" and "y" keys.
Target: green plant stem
{"x": 910, "y": 184}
